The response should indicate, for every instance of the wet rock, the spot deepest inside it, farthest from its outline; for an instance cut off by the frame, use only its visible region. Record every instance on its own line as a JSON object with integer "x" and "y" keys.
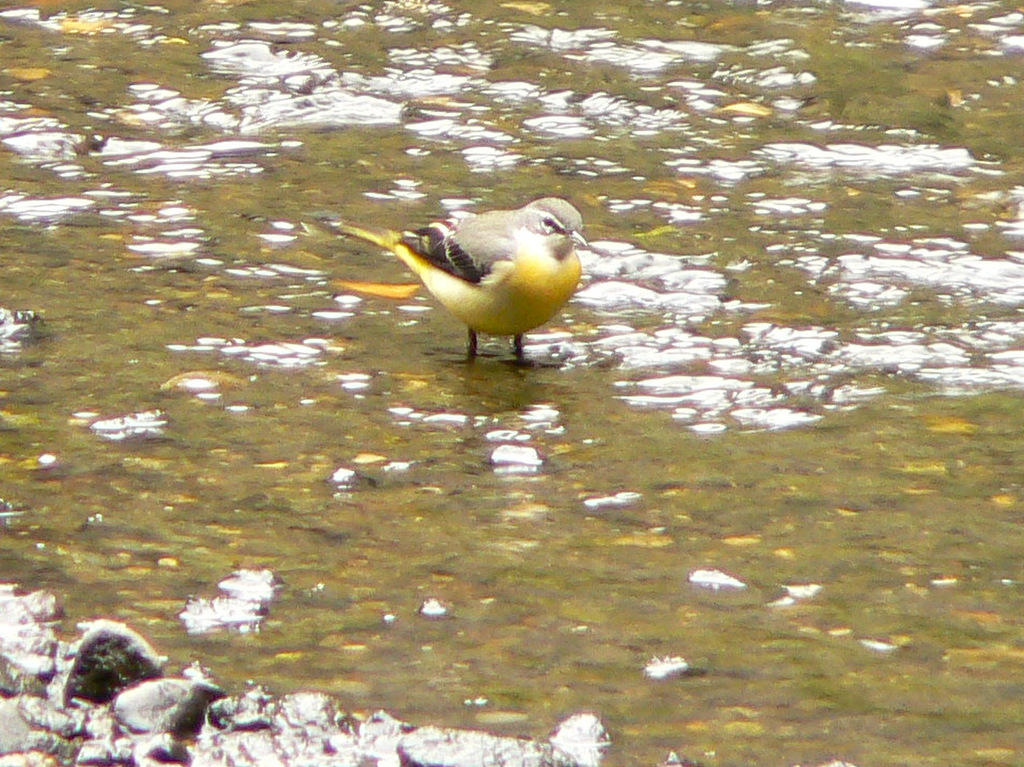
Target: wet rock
{"x": 439, "y": 747}
{"x": 304, "y": 728}
{"x": 106, "y": 704}
{"x": 19, "y": 734}
{"x": 14, "y": 680}
{"x": 29, "y": 759}
{"x": 110, "y": 657}
{"x": 42, "y": 714}
{"x": 255, "y": 710}
{"x": 582, "y": 738}
{"x": 380, "y": 734}
{"x": 161, "y": 749}
{"x": 176, "y": 706}
{"x": 105, "y": 744}
{"x": 578, "y": 741}
{"x": 28, "y": 646}
{"x": 314, "y": 712}
{"x": 15, "y": 733}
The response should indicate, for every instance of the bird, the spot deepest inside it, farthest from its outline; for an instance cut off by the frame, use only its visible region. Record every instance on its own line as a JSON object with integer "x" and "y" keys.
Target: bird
{"x": 502, "y": 272}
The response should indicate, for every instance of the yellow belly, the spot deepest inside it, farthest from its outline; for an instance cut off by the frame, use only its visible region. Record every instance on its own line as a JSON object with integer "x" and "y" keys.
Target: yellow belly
{"x": 509, "y": 301}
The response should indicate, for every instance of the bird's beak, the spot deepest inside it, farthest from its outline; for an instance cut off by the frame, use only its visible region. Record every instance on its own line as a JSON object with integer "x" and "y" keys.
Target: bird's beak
{"x": 580, "y": 240}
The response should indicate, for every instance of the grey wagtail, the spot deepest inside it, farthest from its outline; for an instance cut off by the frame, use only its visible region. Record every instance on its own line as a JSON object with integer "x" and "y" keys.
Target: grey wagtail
{"x": 502, "y": 272}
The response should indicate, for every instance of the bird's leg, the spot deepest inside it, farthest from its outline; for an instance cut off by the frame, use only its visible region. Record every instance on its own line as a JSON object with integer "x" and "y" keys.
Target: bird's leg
{"x": 517, "y": 345}
{"x": 471, "y": 344}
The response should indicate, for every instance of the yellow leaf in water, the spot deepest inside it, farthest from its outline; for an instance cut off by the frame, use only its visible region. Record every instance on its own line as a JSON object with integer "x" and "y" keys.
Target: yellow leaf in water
{"x": 924, "y": 467}
{"x": 369, "y": 458}
{"x": 919, "y": 491}
{"x": 1003, "y": 499}
{"x": 200, "y": 380}
{"x": 951, "y": 425}
{"x": 644, "y": 540}
{"x": 748, "y": 108}
{"x": 742, "y": 540}
{"x": 985, "y": 618}
{"x": 996, "y": 755}
{"x": 28, "y": 74}
{"x": 379, "y": 289}
{"x": 656, "y": 232}
{"x": 670, "y": 189}
{"x": 964, "y": 11}
{"x": 129, "y": 118}
{"x": 534, "y": 8}
{"x": 75, "y": 26}
{"x": 743, "y": 729}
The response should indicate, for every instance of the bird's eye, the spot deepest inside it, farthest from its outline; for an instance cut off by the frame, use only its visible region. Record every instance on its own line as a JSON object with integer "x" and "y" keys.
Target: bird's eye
{"x": 551, "y": 225}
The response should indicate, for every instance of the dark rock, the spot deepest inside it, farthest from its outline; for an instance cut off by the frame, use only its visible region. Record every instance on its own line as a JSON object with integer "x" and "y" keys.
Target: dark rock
{"x": 110, "y": 657}
{"x": 176, "y": 706}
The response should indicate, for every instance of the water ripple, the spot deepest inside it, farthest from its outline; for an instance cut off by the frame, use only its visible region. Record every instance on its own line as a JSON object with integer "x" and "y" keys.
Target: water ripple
{"x": 285, "y": 354}
{"x": 886, "y": 159}
{"x": 29, "y": 208}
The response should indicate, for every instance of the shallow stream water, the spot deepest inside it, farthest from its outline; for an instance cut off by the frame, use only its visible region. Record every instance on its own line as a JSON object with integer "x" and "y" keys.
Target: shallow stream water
{"x": 755, "y": 499}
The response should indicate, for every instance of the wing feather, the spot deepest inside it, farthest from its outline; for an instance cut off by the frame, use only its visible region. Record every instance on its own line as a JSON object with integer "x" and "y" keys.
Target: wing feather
{"x": 436, "y": 243}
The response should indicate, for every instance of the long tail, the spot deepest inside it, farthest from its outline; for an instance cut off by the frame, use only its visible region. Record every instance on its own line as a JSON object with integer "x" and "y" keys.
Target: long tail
{"x": 389, "y": 239}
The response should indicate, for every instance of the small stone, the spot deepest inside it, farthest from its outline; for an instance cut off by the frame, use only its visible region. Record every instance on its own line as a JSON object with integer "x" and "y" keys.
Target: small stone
{"x": 434, "y": 608}
{"x": 715, "y": 580}
{"x": 516, "y": 455}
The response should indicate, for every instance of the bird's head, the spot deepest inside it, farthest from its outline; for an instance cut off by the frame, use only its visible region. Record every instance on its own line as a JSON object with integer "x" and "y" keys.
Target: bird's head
{"x": 557, "y": 221}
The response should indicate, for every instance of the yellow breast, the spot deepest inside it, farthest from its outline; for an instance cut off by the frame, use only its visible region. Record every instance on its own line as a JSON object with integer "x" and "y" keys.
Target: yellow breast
{"x": 516, "y": 297}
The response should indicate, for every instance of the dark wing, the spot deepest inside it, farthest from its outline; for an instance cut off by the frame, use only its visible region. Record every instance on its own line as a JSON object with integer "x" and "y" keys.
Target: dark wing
{"x": 436, "y": 244}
